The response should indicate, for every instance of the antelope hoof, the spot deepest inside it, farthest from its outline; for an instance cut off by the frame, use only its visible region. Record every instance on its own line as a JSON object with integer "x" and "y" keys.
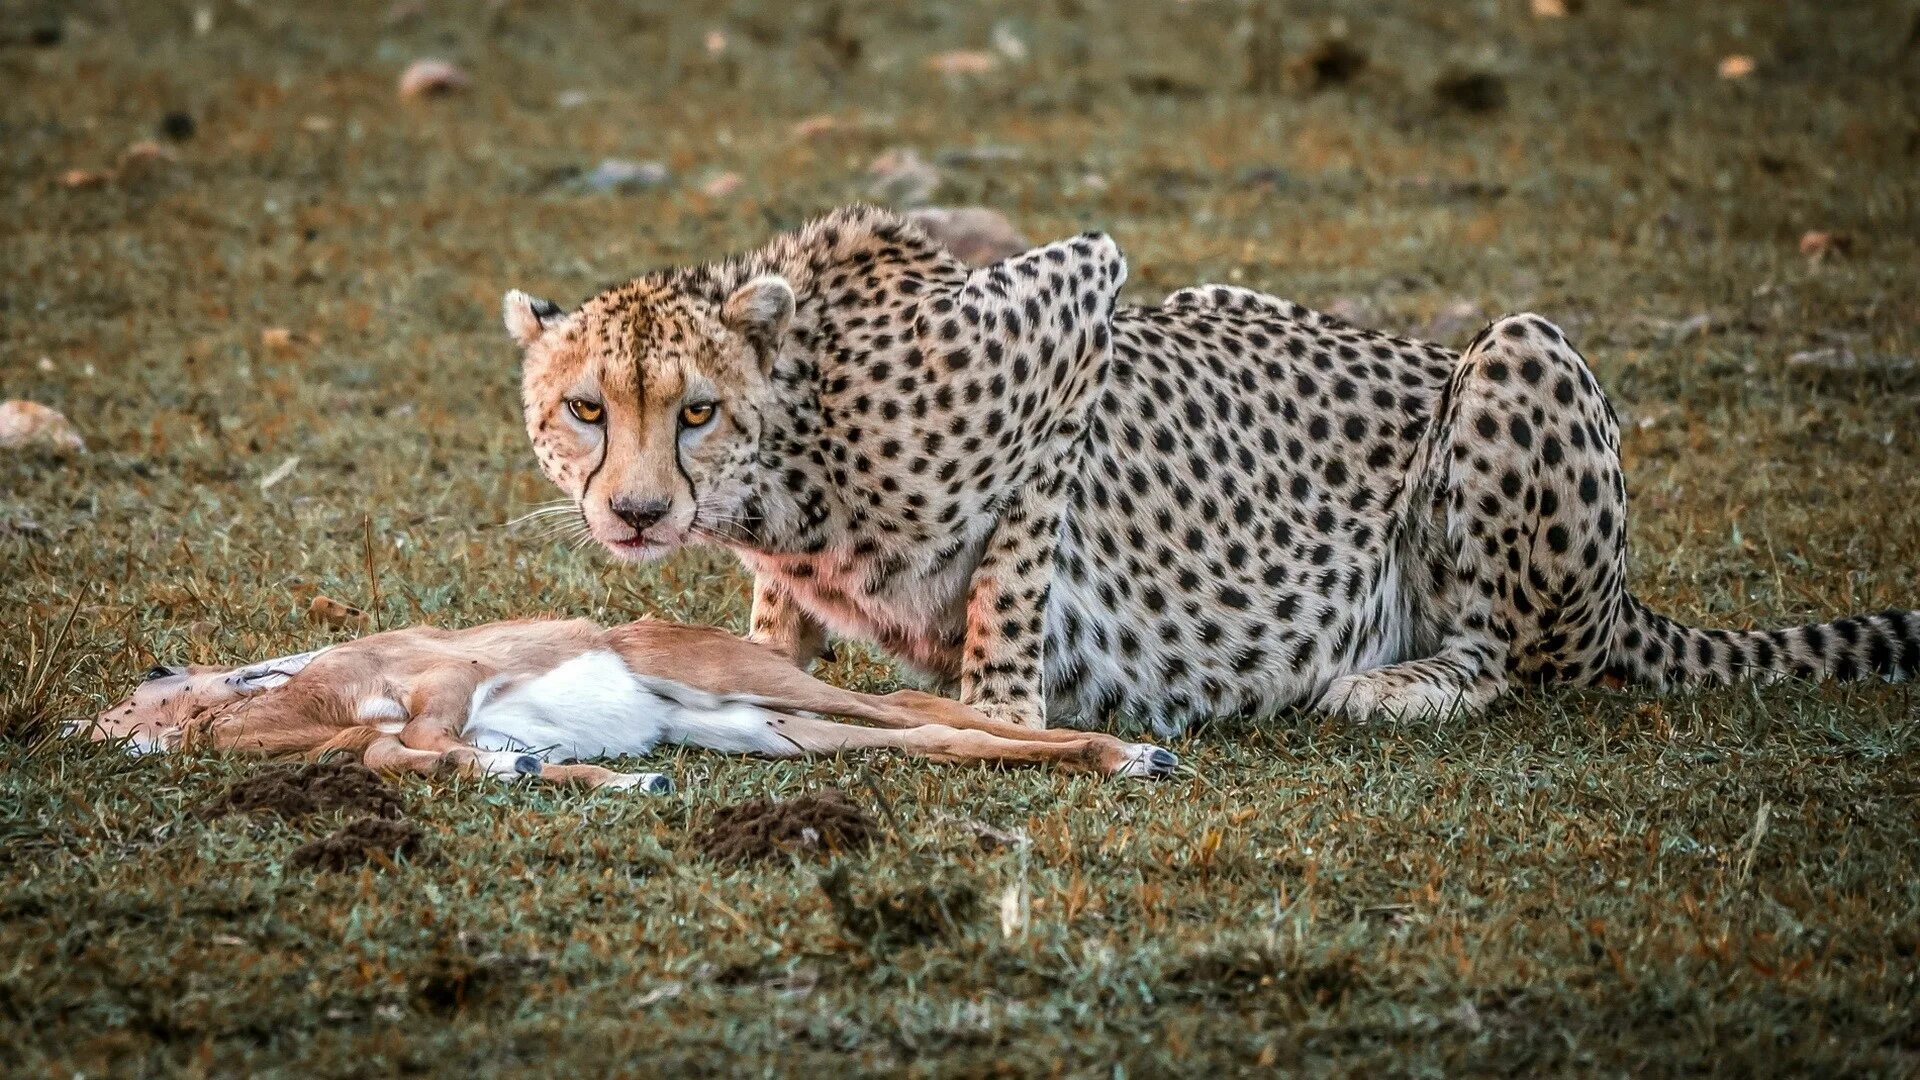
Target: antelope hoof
{"x": 1150, "y": 763}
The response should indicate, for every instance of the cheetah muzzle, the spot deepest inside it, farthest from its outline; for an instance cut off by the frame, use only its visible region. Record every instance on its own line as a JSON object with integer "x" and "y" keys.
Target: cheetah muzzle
{"x": 1223, "y": 504}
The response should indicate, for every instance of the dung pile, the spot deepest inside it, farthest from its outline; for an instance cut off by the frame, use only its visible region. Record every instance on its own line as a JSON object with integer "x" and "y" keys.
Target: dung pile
{"x": 357, "y": 842}
{"x": 813, "y": 826}
{"x": 298, "y": 791}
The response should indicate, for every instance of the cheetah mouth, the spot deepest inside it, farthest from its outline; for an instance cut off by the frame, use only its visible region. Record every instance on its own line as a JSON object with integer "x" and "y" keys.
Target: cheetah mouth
{"x": 639, "y": 548}
{"x": 647, "y": 545}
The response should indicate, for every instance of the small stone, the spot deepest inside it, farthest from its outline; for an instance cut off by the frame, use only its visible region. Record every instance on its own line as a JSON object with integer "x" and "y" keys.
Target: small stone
{"x": 330, "y": 612}
{"x": 571, "y": 99}
{"x": 1693, "y": 326}
{"x": 1736, "y": 66}
{"x": 432, "y": 78}
{"x": 1552, "y": 9}
{"x": 1355, "y": 311}
{"x": 723, "y": 185}
{"x": 1008, "y": 43}
{"x": 975, "y": 235}
{"x": 277, "y": 339}
{"x": 716, "y": 42}
{"x": 902, "y": 177}
{"x": 963, "y": 62}
{"x": 983, "y": 154}
{"x": 405, "y": 12}
{"x": 1450, "y": 323}
{"x": 178, "y": 125}
{"x": 29, "y": 425}
{"x": 1472, "y": 91}
{"x": 1846, "y": 362}
{"x": 622, "y": 176}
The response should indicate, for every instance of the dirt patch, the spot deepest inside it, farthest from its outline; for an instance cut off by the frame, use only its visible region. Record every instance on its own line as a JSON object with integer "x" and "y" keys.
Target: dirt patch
{"x": 298, "y": 791}
{"x": 908, "y": 915}
{"x": 454, "y": 977}
{"x": 814, "y": 826}
{"x": 1333, "y": 62}
{"x": 1472, "y": 91}
{"x": 1310, "y": 977}
{"x": 358, "y": 841}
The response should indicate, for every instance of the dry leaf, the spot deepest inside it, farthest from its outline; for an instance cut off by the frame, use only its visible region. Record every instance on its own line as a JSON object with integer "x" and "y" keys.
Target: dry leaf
{"x": 1736, "y": 66}
{"x": 277, "y": 339}
{"x": 815, "y": 126}
{"x": 31, "y": 425}
{"x": 432, "y": 78}
{"x": 1015, "y": 909}
{"x": 147, "y": 152}
{"x": 963, "y": 62}
{"x": 285, "y": 470}
{"x": 1549, "y": 9}
{"x": 84, "y": 178}
{"x": 722, "y": 185}
{"x": 330, "y": 612}
{"x": 1817, "y": 244}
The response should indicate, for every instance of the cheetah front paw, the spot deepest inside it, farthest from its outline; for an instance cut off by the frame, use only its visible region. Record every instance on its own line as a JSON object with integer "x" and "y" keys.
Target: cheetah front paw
{"x": 1372, "y": 696}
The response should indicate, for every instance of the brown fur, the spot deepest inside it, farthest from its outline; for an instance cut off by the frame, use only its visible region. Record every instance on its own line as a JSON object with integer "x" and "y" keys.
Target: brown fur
{"x": 398, "y": 701}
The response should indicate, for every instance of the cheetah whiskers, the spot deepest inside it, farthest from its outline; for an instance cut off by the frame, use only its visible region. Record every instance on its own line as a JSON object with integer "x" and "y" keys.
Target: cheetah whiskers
{"x": 547, "y": 509}
{"x": 716, "y": 522}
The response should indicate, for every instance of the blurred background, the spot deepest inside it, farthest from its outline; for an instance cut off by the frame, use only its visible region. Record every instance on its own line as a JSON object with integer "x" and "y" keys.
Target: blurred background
{"x": 253, "y": 251}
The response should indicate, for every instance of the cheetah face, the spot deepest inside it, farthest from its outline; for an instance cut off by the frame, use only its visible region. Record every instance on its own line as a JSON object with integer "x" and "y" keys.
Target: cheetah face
{"x": 645, "y": 407}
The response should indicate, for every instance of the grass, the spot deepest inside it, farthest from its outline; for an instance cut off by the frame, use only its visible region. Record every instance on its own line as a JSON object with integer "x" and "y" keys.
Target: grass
{"x": 1582, "y": 881}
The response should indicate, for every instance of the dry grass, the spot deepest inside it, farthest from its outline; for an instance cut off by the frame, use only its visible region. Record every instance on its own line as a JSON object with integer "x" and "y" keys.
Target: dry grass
{"x": 1575, "y": 883}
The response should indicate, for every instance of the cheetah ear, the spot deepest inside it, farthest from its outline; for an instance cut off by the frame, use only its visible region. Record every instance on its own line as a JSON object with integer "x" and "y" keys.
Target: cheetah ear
{"x": 528, "y": 317}
{"x": 760, "y": 311}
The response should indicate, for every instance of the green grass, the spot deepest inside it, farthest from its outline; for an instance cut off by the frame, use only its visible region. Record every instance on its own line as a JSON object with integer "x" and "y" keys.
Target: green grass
{"x": 1575, "y": 882}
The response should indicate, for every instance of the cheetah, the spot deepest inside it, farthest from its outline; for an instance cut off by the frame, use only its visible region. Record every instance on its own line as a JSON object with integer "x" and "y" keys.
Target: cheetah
{"x": 1080, "y": 510}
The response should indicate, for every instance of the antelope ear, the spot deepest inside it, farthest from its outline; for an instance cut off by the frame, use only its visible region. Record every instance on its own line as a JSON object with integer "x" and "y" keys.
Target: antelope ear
{"x": 760, "y": 310}
{"x": 268, "y": 674}
{"x": 528, "y": 317}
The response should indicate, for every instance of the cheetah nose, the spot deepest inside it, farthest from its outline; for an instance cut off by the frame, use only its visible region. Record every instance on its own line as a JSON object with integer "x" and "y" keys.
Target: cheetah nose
{"x": 642, "y": 514}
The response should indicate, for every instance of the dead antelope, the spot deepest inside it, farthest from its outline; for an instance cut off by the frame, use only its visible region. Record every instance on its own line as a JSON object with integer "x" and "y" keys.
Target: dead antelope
{"x": 527, "y": 696}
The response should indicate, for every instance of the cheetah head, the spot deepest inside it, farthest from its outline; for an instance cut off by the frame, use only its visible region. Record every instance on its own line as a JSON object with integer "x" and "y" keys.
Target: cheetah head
{"x": 644, "y": 405}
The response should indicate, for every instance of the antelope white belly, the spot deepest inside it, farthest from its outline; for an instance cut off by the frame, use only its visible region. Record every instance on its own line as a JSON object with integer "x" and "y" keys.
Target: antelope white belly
{"x": 589, "y": 707}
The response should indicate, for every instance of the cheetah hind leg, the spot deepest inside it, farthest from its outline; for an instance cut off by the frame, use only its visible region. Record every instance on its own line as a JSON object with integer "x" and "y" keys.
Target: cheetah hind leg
{"x": 1516, "y": 531}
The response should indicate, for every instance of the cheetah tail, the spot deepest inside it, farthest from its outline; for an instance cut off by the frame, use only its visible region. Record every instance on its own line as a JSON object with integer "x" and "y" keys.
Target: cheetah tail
{"x": 1652, "y": 648}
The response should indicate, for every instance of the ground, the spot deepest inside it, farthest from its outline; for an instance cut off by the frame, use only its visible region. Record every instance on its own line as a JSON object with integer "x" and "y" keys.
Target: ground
{"x": 1592, "y": 881}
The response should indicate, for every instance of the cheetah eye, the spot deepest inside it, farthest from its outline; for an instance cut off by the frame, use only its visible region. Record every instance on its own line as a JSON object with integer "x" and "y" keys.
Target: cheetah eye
{"x": 693, "y": 416}
{"x": 587, "y": 412}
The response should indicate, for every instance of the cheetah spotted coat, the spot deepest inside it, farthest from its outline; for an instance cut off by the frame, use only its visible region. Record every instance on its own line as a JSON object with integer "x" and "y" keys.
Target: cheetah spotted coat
{"x": 1226, "y": 503}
